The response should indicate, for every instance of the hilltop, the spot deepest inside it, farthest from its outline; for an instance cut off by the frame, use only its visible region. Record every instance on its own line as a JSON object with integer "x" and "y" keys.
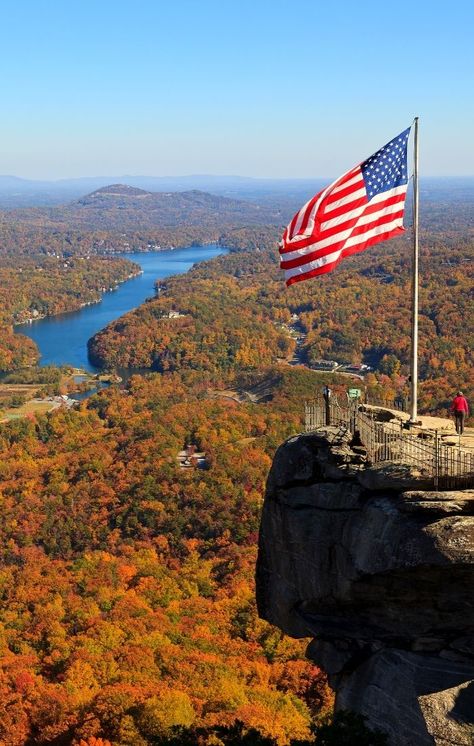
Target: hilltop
{"x": 119, "y": 207}
{"x": 114, "y": 190}
{"x": 288, "y": 193}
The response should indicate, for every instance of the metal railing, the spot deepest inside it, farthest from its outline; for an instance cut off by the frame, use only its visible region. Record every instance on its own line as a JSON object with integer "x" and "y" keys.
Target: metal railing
{"x": 399, "y": 402}
{"x": 446, "y": 466}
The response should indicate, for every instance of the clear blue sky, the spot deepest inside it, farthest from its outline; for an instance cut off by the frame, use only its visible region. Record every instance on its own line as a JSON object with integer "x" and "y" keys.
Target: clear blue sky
{"x": 250, "y": 87}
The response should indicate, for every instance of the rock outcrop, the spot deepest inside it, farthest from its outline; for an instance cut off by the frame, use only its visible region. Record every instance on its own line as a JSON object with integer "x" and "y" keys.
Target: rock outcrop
{"x": 380, "y": 572}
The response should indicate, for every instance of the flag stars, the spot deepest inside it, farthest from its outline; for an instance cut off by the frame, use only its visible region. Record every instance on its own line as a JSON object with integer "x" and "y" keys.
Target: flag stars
{"x": 386, "y": 169}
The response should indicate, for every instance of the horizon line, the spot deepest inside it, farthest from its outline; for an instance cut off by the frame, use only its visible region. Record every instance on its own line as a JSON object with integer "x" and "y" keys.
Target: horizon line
{"x": 58, "y": 180}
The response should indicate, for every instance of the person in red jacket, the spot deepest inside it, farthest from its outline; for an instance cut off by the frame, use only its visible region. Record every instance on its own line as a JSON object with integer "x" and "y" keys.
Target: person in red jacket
{"x": 461, "y": 410}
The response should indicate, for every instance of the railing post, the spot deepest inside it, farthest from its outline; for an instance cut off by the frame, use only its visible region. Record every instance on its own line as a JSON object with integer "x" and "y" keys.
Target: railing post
{"x": 327, "y": 402}
{"x": 449, "y": 467}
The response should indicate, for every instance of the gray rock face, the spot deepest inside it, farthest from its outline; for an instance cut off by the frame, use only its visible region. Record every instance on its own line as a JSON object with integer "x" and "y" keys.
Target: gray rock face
{"x": 381, "y": 573}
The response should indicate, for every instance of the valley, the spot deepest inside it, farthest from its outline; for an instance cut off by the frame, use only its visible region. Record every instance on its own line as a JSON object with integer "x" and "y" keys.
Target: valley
{"x": 128, "y": 531}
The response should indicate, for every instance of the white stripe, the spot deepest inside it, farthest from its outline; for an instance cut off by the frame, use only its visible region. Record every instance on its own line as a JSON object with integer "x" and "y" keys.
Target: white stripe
{"x": 330, "y": 258}
{"x": 382, "y": 197}
{"x": 351, "y": 241}
{"x": 317, "y": 245}
{"x": 345, "y": 200}
{"x": 301, "y": 215}
{"x": 315, "y": 264}
{"x": 342, "y": 235}
{"x": 371, "y": 216}
{"x": 354, "y": 180}
{"x": 355, "y": 240}
{"x": 310, "y": 227}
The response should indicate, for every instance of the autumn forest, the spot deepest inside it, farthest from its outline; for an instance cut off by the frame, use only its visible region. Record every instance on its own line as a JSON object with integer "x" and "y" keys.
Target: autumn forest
{"x": 127, "y": 613}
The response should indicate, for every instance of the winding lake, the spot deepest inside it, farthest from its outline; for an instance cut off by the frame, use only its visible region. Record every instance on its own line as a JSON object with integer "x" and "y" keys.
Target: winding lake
{"x": 62, "y": 339}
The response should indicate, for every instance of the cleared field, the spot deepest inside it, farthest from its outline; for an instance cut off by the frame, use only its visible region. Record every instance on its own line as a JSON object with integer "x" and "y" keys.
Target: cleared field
{"x": 30, "y": 407}
{"x": 18, "y": 389}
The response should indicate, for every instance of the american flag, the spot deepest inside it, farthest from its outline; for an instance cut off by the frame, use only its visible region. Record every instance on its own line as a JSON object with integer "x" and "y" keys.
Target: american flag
{"x": 361, "y": 208}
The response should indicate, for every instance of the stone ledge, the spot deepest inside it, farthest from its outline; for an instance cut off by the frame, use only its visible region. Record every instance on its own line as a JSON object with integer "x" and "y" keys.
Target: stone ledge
{"x": 380, "y": 569}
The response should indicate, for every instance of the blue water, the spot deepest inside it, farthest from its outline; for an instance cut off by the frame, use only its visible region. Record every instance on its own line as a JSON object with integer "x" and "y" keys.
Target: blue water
{"x": 62, "y": 339}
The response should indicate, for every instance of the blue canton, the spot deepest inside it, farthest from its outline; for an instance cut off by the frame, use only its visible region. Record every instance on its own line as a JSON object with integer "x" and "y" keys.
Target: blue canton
{"x": 388, "y": 167}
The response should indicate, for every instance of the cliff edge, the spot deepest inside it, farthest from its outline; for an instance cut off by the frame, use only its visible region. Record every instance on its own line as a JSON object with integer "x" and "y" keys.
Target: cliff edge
{"x": 380, "y": 572}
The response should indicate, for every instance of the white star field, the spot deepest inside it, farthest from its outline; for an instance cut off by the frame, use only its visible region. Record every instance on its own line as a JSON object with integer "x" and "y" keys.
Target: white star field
{"x": 387, "y": 168}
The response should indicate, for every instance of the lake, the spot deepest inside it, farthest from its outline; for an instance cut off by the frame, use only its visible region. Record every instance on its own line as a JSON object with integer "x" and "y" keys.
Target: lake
{"x": 62, "y": 339}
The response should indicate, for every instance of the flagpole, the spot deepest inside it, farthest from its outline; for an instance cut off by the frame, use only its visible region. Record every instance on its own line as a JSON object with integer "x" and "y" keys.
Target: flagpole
{"x": 414, "y": 310}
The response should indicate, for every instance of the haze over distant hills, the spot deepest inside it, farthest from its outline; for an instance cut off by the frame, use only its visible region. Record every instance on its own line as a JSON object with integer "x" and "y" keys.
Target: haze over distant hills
{"x": 16, "y": 192}
{"x": 280, "y": 193}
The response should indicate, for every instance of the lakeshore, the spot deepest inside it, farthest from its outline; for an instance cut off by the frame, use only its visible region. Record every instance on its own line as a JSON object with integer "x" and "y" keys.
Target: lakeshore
{"x": 62, "y": 339}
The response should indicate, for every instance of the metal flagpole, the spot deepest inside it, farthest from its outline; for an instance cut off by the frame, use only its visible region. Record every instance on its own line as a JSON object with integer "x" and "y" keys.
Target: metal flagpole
{"x": 414, "y": 309}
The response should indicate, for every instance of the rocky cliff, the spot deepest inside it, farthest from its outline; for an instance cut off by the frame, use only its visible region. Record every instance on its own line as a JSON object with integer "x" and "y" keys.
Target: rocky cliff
{"x": 380, "y": 572}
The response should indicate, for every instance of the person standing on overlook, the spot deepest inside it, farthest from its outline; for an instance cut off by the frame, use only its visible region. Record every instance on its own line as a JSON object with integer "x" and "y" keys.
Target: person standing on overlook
{"x": 461, "y": 410}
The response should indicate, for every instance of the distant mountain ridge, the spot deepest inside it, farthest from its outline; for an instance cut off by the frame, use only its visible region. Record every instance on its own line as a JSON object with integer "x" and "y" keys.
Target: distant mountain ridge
{"x": 121, "y": 207}
{"x": 17, "y": 192}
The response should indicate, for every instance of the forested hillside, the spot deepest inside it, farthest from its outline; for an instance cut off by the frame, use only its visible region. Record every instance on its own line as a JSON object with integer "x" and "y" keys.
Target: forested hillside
{"x": 235, "y": 313}
{"x": 126, "y": 579}
{"x": 35, "y": 286}
{"x": 49, "y": 257}
{"x": 123, "y": 208}
{"x": 126, "y": 583}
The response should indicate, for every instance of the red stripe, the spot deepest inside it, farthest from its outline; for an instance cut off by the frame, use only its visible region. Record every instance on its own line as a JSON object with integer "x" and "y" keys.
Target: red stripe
{"x": 314, "y": 236}
{"x": 291, "y": 226}
{"x": 312, "y": 273}
{"x": 305, "y": 221}
{"x": 371, "y": 207}
{"x": 307, "y": 210}
{"x": 331, "y": 197}
{"x": 372, "y": 241}
{"x": 336, "y": 245}
{"x": 343, "y": 179}
{"x": 337, "y": 211}
{"x": 312, "y": 202}
{"x": 347, "y": 252}
{"x": 369, "y": 210}
{"x": 359, "y": 230}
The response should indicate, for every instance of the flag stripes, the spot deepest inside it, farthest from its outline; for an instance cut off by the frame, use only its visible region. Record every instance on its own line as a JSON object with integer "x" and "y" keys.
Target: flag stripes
{"x": 342, "y": 219}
